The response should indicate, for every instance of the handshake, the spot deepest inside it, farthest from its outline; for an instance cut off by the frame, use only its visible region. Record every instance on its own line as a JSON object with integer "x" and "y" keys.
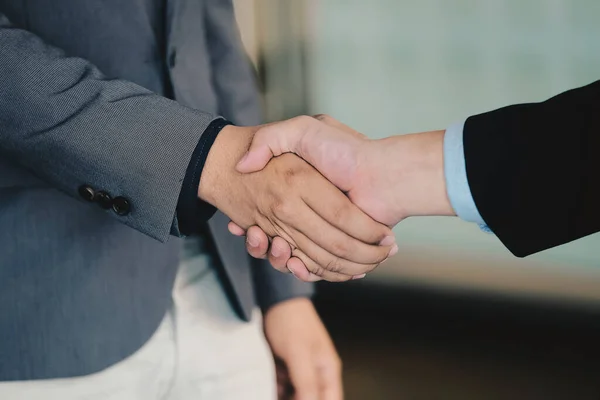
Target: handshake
{"x": 326, "y": 209}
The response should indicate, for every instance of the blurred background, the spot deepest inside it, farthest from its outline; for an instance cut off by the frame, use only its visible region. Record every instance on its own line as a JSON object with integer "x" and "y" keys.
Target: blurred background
{"x": 454, "y": 315}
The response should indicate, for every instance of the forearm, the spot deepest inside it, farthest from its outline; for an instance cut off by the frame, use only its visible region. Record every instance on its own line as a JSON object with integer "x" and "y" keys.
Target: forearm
{"x": 412, "y": 167}
{"x": 533, "y": 169}
{"x": 71, "y": 126}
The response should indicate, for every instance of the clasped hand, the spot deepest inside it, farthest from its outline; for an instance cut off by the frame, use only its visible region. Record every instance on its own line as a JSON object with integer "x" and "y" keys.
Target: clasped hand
{"x": 291, "y": 201}
{"x": 389, "y": 179}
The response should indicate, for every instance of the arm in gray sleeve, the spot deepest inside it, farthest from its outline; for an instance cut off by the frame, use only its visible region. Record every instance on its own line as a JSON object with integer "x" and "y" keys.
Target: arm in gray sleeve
{"x": 61, "y": 119}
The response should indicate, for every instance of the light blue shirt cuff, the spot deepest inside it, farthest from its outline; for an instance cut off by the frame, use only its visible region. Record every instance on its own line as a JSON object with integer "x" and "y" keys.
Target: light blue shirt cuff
{"x": 455, "y": 172}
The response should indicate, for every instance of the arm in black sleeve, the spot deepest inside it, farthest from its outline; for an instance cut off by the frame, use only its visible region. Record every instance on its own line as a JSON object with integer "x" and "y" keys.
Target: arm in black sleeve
{"x": 534, "y": 170}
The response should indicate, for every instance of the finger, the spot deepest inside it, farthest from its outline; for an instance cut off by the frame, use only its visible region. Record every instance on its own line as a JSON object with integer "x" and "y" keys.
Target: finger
{"x": 333, "y": 206}
{"x": 279, "y": 254}
{"x": 304, "y": 378}
{"x": 273, "y": 140}
{"x": 235, "y": 229}
{"x": 326, "y": 265}
{"x": 329, "y": 120}
{"x": 308, "y": 221}
{"x": 297, "y": 267}
{"x": 318, "y": 272}
{"x": 257, "y": 242}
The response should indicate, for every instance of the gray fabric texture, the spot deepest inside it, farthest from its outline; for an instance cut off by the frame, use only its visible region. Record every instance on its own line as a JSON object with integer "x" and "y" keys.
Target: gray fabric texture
{"x": 83, "y": 101}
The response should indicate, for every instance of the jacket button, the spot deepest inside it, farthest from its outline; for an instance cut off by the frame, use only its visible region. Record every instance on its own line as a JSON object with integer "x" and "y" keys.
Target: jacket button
{"x": 87, "y": 193}
{"x": 103, "y": 199}
{"x": 120, "y": 206}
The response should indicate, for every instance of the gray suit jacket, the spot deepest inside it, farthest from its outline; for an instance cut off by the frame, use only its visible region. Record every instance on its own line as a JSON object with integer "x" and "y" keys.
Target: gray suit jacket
{"x": 82, "y": 102}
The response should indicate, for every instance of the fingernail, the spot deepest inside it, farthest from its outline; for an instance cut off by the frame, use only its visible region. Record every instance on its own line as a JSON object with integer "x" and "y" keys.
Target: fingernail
{"x": 393, "y": 251}
{"x": 358, "y": 276}
{"x": 291, "y": 272}
{"x": 242, "y": 160}
{"x": 275, "y": 251}
{"x": 252, "y": 241}
{"x": 387, "y": 241}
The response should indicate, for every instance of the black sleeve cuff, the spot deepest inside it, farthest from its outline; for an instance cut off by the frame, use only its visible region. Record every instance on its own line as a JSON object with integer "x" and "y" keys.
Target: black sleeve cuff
{"x": 191, "y": 211}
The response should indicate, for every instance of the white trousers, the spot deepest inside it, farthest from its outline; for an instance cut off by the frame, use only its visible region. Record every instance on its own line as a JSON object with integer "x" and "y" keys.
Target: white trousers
{"x": 201, "y": 351}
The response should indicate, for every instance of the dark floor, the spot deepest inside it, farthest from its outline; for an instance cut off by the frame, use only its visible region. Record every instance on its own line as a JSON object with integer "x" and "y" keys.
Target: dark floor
{"x": 414, "y": 343}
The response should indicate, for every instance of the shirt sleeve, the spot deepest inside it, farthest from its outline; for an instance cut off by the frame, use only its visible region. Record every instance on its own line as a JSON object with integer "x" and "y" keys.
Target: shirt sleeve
{"x": 191, "y": 211}
{"x": 455, "y": 173}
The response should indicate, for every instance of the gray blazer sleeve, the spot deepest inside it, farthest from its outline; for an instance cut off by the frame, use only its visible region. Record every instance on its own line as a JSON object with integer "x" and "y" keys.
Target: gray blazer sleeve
{"x": 68, "y": 124}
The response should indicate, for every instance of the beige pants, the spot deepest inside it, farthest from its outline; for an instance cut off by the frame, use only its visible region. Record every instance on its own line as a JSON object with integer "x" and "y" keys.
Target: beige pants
{"x": 201, "y": 351}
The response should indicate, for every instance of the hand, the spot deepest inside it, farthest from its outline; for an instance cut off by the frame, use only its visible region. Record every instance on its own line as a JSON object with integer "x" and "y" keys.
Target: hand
{"x": 305, "y": 356}
{"x": 374, "y": 173}
{"x": 389, "y": 179}
{"x": 291, "y": 200}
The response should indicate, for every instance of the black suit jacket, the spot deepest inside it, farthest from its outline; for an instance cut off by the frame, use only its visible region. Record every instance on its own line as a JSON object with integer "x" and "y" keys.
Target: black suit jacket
{"x": 534, "y": 170}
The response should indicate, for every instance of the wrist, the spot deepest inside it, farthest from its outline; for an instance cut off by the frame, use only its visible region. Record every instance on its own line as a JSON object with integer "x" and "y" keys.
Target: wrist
{"x": 296, "y": 305}
{"x": 416, "y": 162}
{"x": 219, "y": 170}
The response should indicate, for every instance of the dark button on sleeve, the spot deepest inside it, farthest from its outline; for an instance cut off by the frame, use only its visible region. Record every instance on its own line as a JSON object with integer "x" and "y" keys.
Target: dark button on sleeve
{"x": 104, "y": 200}
{"x": 121, "y": 206}
{"x": 87, "y": 193}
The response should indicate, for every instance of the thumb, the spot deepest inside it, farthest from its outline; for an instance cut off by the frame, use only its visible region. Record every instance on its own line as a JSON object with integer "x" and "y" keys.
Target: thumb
{"x": 256, "y": 158}
{"x": 271, "y": 141}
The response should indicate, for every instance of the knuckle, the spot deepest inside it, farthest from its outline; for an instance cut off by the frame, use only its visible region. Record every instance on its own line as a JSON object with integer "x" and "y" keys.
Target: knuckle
{"x": 302, "y": 122}
{"x": 341, "y": 212}
{"x": 276, "y": 206}
{"x": 304, "y": 119}
{"x": 323, "y": 118}
{"x": 334, "y": 265}
{"x": 341, "y": 250}
{"x": 281, "y": 208}
{"x": 290, "y": 175}
{"x": 316, "y": 270}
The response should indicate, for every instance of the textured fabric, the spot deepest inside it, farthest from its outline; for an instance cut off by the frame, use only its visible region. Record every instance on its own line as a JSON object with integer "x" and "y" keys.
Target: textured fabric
{"x": 533, "y": 169}
{"x": 455, "y": 173}
{"x": 82, "y": 86}
{"x": 200, "y": 351}
{"x": 62, "y": 119}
